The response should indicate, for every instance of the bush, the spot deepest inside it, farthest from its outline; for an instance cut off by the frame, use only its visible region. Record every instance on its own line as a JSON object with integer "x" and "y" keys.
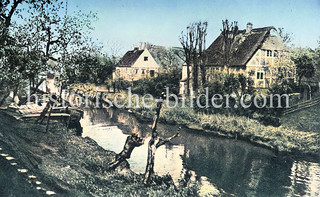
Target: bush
{"x": 224, "y": 84}
{"x": 155, "y": 86}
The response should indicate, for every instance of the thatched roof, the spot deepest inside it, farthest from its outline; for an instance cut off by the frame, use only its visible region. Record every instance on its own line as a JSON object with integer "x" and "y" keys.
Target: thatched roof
{"x": 130, "y": 58}
{"x": 244, "y": 47}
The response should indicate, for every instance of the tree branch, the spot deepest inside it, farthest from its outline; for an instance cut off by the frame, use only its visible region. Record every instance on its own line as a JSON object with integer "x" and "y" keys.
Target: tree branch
{"x": 162, "y": 142}
{"x": 12, "y": 10}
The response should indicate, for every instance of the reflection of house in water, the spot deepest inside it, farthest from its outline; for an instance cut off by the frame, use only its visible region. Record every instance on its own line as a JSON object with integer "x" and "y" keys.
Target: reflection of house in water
{"x": 244, "y": 170}
{"x": 305, "y": 179}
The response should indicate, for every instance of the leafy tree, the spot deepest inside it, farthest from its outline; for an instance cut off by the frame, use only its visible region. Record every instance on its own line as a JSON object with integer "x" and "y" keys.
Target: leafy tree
{"x": 157, "y": 85}
{"x": 305, "y": 63}
{"x": 317, "y": 62}
{"x": 170, "y": 59}
{"x": 283, "y": 67}
{"x": 39, "y": 32}
{"x": 91, "y": 68}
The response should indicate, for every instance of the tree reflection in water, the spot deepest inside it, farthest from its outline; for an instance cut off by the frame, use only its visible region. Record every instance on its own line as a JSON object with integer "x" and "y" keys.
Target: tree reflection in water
{"x": 235, "y": 166}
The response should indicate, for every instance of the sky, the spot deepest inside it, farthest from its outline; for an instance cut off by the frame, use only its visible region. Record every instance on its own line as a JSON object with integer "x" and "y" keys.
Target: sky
{"x": 122, "y": 24}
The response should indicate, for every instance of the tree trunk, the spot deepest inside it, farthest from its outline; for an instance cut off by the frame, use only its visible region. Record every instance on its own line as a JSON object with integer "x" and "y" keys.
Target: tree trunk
{"x": 33, "y": 92}
{"x": 188, "y": 79}
{"x": 131, "y": 142}
{"x": 150, "y": 162}
{"x": 195, "y": 76}
{"x": 151, "y": 145}
{"x": 5, "y": 96}
{"x": 203, "y": 75}
{"x": 15, "y": 92}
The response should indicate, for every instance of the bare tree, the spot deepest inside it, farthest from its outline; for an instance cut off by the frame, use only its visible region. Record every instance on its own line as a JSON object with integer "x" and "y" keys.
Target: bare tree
{"x": 202, "y": 33}
{"x": 228, "y": 33}
{"x": 285, "y": 36}
{"x": 154, "y": 143}
{"x": 131, "y": 142}
{"x": 193, "y": 42}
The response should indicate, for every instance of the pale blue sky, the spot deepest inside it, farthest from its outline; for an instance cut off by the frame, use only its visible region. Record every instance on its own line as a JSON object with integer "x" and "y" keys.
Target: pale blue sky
{"x": 125, "y": 23}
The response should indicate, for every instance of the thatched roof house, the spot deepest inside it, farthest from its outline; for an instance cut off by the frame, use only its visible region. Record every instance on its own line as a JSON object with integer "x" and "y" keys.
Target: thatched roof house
{"x": 252, "y": 52}
{"x": 246, "y": 44}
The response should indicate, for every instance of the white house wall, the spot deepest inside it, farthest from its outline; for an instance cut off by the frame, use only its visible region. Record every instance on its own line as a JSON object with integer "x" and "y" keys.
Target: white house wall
{"x": 140, "y": 69}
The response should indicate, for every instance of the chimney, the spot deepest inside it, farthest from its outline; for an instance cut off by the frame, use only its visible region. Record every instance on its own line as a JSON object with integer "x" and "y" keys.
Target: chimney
{"x": 249, "y": 27}
{"x": 136, "y": 48}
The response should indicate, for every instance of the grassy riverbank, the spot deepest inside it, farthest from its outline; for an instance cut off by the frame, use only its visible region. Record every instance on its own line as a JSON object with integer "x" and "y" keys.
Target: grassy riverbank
{"x": 280, "y": 139}
{"x": 285, "y": 139}
{"x": 71, "y": 165}
{"x": 304, "y": 120}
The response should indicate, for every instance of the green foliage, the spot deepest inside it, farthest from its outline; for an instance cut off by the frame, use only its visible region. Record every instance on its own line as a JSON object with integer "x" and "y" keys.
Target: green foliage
{"x": 278, "y": 138}
{"x": 179, "y": 115}
{"x": 304, "y": 60}
{"x": 234, "y": 85}
{"x": 303, "y": 120}
{"x": 155, "y": 86}
{"x": 37, "y": 38}
{"x": 169, "y": 59}
{"x": 89, "y": 68}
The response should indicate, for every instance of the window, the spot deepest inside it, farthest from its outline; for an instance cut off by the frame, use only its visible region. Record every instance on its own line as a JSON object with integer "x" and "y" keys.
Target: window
{"x": 145, "y": 58}
{"x": 259, "y": 75}
{"x": 275, "y": 54}
{"x": 269, "y": 53}
{"x": 151, "y": 73}
{"x": 137, "y": 70}
{"x": 143, "y": 71}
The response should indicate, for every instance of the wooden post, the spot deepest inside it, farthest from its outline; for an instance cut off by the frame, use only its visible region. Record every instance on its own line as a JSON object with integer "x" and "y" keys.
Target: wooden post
{"x": 48, "y": 118}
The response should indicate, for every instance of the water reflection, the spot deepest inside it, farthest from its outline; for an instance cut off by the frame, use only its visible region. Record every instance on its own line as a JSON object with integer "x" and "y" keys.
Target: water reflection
{"x": 235, "y": 166}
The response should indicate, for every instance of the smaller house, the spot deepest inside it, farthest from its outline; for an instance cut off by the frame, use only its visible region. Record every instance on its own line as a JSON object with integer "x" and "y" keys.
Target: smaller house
{"x": 136, "y": 64}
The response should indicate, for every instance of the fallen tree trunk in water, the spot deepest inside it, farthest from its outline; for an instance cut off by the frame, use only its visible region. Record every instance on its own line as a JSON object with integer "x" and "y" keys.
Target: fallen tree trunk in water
{"x": 132, "y": 141}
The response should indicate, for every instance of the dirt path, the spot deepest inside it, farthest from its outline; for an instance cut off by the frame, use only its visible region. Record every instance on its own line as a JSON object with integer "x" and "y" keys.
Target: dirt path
{"x": 69, "y": 165}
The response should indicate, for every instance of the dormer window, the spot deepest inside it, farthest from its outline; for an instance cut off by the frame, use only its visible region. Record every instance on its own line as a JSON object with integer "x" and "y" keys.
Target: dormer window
{"x": 269, "y": 53}
{"x": 145, "y": 58}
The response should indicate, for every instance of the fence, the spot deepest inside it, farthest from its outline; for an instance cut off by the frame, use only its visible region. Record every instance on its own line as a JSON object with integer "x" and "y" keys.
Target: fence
{"x": 302, "y": 105}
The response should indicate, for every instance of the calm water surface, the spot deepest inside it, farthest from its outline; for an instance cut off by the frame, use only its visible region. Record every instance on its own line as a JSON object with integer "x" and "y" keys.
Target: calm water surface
{"x": 236, "y": 167}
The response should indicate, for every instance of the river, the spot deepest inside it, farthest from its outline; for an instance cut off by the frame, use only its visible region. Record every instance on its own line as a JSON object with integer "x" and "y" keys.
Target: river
{"x": 235, "y": 166}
